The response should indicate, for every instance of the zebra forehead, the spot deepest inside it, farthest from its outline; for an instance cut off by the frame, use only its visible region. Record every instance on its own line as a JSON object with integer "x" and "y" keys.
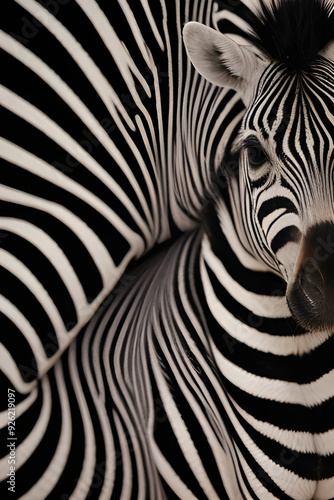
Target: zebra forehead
{"x": 286, "y": 101}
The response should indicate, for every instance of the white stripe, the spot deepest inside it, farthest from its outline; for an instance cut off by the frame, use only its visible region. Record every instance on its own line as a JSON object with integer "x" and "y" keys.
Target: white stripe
{"x": 259, "y": 489}
{"x": 281, "y": 345}
{"x": 52, "y": 251}
{"x": 42, "y": 122}
{"x": 167, "y": 472}
{"x": 18, "y": 269}
{"x": 309, "y": 395}
{"x": 126, "y": 493}
{"x": 20, "y": 408}
{"x": 90, "y": 240}
{"x": 121, "y": 56}
{"x": 150, "y": 18}
{"x": 21, "y": 322}
{"x": 88, "y": 466}
{"x": 81, "y": 110}
{"x": 295, "y": 486}
{"x": 229, "y": 231}
{"x": 81, "y": 57}
{"x": 132, "y": 436}
{"x": 49, "y": 479}
{"x": 282, "y": 222}
{"x": 270, "y": 218}
{"x": 324, "y": 489}
{"x": 64, "y": 338}
{"x": 178, "y": 425}
{"x": 222, "y": 458}
{"x": 93, "y": 351}
{"x": 11, "y": 371}
{"x": 262, "y": 305}
{"x": 25, "y": 449}
{"x": 303, "y": 442}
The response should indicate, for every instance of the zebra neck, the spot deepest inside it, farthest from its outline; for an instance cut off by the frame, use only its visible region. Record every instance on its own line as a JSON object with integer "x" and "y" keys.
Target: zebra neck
{"x": 246, "y": 300}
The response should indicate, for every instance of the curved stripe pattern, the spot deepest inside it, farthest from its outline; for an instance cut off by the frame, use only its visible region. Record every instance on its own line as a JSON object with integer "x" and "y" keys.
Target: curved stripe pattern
{"x": 147, "y": 333}
{"x": 162, "y": 396}
{"x": 95, "y": 165}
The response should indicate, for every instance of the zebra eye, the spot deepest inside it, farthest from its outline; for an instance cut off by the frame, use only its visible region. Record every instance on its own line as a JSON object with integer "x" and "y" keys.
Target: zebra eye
{"x": 256, "y": 156}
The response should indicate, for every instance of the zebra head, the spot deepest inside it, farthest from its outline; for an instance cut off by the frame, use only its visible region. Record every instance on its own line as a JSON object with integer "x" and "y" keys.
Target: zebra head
{"x": 284, "y": 74}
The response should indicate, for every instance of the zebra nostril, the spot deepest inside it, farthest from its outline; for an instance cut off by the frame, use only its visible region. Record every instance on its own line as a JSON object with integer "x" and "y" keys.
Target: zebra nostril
{"x": 306, "y": 298}
{"x": 312, "y": 287}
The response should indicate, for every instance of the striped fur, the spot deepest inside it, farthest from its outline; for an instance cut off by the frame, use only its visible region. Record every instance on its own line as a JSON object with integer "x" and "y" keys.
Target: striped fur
{"x": 182, "y": 375}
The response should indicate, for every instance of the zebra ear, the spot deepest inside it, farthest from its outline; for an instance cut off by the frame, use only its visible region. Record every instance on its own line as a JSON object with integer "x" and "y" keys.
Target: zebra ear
{"x": 221, "y": 60}
{"x": 328, "y": 51}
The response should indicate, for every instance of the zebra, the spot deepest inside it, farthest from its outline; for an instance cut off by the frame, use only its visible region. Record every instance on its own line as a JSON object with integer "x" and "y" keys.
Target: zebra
{"x": 204, "y": 370}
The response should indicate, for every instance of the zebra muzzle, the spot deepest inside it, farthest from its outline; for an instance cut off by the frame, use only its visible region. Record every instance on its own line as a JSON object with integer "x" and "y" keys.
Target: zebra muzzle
{"x": 310, "y": 293}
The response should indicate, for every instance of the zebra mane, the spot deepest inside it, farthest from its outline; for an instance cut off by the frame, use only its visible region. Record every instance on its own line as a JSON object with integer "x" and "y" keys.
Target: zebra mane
{"x": 294, "y": 31}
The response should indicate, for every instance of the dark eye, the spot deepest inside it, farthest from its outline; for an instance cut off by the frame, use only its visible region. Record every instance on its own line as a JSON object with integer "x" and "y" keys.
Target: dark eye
{"x": 256, "y": 156}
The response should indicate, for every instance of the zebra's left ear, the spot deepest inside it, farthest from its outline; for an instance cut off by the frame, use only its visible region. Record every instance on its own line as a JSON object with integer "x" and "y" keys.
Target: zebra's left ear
{"x": 221, "y": 60}
{"x": 328, "y": 51}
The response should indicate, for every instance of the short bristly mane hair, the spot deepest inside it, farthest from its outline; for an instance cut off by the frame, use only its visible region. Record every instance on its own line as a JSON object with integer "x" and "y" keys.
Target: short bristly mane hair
{"x": 294, "y": 31}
